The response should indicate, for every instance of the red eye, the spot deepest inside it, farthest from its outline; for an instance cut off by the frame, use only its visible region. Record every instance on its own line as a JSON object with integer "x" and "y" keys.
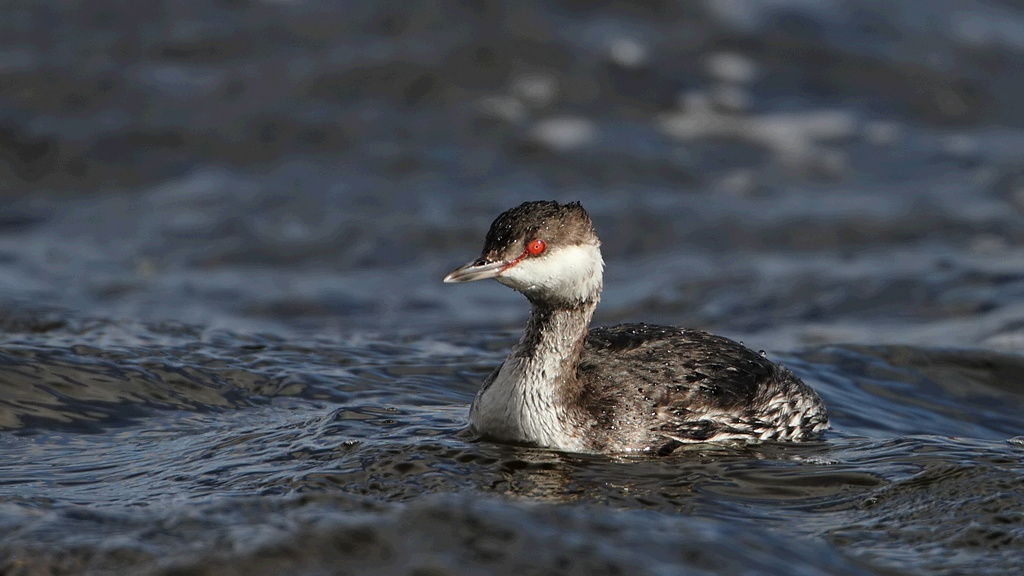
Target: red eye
{"x": 535, "y": 247}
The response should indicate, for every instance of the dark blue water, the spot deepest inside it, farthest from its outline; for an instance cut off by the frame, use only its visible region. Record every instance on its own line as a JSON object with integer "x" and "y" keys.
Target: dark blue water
{"x": 225, "y": 347}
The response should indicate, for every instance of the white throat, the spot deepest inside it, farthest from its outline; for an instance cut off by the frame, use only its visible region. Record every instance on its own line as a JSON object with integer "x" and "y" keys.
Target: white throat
{"x": 567, "y": 275}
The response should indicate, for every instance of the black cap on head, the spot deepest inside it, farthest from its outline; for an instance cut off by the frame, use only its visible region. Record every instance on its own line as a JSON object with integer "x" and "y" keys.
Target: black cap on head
{"x": 556, "y": 224}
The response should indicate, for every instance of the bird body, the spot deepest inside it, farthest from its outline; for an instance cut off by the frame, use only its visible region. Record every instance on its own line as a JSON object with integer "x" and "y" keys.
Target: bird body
{"x": 625, "y": 388}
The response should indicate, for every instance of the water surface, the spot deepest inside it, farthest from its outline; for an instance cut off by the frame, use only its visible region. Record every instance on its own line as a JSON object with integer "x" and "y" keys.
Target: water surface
{"x": 225, "y": 347}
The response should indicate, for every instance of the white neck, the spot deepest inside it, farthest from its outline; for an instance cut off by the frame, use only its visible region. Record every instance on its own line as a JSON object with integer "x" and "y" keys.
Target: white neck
{"x": 532, "y": 396}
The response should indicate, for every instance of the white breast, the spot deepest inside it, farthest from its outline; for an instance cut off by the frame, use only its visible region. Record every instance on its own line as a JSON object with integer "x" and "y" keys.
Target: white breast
{"x": 518, "y": 407}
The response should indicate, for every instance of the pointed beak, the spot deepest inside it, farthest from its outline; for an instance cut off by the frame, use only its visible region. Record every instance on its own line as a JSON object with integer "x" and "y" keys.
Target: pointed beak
{"x": 477, "y": 270}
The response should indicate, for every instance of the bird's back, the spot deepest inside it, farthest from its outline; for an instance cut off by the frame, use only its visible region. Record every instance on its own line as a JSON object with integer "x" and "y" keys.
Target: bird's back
{"x": 655, "y": 387}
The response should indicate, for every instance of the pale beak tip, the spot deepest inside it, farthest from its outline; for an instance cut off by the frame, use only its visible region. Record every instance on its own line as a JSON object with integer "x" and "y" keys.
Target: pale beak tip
{"x": 474, "y": 271}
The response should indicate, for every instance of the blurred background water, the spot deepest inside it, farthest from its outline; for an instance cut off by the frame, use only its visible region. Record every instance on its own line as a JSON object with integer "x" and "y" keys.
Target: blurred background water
{"x": 225, "y": 347}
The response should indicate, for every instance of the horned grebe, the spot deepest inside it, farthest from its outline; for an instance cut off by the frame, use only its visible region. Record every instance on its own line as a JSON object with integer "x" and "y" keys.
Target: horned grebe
{"x": 626, "y": 388}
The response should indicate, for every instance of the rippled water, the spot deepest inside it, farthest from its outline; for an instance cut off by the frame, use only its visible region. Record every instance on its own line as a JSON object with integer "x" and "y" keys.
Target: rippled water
{"x": 189, "y": 449}
{"x": 225, "y": 347}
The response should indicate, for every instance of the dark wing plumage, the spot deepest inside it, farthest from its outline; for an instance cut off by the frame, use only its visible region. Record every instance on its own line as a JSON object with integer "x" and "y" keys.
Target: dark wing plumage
{"x": 718, "y": 370}
{"x": 692, "y": 386}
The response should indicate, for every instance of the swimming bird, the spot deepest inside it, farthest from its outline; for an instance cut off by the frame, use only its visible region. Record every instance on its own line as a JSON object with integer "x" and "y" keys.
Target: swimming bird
{"x": 624, "y": 388}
